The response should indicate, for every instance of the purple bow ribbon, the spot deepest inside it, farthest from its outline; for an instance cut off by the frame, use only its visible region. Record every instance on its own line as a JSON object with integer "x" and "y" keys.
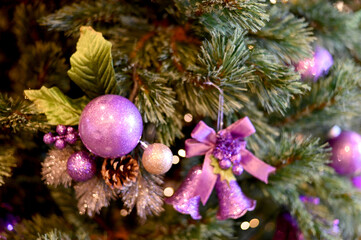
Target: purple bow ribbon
{"x": 204, "y": 141}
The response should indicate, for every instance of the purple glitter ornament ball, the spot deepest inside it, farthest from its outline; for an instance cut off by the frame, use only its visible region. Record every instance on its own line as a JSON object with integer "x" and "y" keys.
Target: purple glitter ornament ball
{"x": 48, "y": 138}
{"x": 70, "y": 138}
{"x": 70, "y": 130}
{"x": 237, "y": 169}
{"x": 60, "y": 144}
{"x": 61, "y": 129}
{"x": 346, "y": 153}
{"x": 110, "y": 126}
{"x": 316, "y": 66}
{"x": 81, "y": 166}
{"x": 225, "y": 164}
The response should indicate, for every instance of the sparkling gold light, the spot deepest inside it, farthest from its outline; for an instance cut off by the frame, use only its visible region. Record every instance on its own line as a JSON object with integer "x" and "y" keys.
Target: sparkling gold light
{"x": 245, "y": 225}
{"x": 254, "y": 223}
{"x": 273, "y": 1}
{"x": 175, "y": 159}
{"x": 188, "y": 117}
{"x": 182, "y": 153}
{"x": 123, "y": 212}
{"x": 168, "y": 191}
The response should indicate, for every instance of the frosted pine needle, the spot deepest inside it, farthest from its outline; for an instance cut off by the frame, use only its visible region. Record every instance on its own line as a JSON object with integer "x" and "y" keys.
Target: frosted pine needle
{"x": 92, "y": 195}
{"x": 146, "y": 194}
{"x": 54, "y": 167}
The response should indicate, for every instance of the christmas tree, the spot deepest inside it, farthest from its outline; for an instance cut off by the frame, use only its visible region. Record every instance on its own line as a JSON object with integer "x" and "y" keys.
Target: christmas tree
{"x": 183, "y": 119}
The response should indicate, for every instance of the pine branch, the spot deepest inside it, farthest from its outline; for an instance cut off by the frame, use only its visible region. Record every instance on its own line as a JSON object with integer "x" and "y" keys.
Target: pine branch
{"x": 332, "y": 100}
{"x": 285, "y": 36}
{"x": 30, "y": 229}
{"x": 93, "y": 195}
{"x": 300, "y": 162}
{"x": 222, "y": 62}
{"x": 7, "y": 162}
{"x": 145, "y": 194}
{"x": 274, "y": 83}
{"x": 17, "y": 115}
{"x": 336, "y": 31}
{"x": 155, "y": 100}
{"x": 183, "y": 228}
{"x": 343, "y": 200}
{"x": 64, "y": 198}
{"x": 228, "y": 15}
{"x": 87, "y": 13}
{"x": 54, "y": 235}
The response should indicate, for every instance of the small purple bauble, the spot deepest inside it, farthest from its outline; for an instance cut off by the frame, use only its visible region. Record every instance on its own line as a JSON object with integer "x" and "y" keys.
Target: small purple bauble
{"x": 317, "y": 66}
{"x": 70, "y": 138}
{"x": 60, "y": 144}
{"x": 110, "y": 126}
{"x": 48, "y": 138}
{"x": 70, "y": 130}
{"x": 225, "y": 164}
{"x": 61, "y": 129}
{"x": 346, "y": 153}
{"x": 81, "y": 166}
{"x": 237, "y": 169}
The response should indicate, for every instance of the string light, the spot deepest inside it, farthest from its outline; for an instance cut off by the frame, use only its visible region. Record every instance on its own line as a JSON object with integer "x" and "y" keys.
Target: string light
{"x": 254, "y": 223}
{"x": 168, "y": 191}
{"x": 123, "y": 212}
{"x": 269, "y": 226}
{"x": 245, "y": 225}
{"x": 182, "y": 153}
{"x": 273, "y": 1}
{"x": 188, "y": 117}
{"x": 10, "y": 227}
{"x": 175, "y": 159}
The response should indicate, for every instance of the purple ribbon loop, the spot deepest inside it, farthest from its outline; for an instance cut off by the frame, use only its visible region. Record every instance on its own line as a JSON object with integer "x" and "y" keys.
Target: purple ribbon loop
{"x": 204, "y": 142}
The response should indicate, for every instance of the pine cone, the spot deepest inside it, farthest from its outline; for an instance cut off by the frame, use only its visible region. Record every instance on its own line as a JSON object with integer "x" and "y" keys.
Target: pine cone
{"x": 120, "y": 172}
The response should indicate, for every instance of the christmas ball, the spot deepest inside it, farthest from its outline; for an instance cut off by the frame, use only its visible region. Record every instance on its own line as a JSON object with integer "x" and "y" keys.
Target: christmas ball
{"x": 61, "y": 129}
{"x": 110, "y": 126}
{"x": 48, "y": 138}
{"x": 317, "y": 66}
{"x": 60, "y": 144}
{"x": 157, "y": 158}
{"x": 81, "y": 166}
{"x": 346, "y": 153}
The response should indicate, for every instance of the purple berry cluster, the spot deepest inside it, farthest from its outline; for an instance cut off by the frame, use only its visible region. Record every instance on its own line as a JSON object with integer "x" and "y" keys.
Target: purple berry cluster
{"x": 66, "y": 135}
{"x": 227, "y": 151}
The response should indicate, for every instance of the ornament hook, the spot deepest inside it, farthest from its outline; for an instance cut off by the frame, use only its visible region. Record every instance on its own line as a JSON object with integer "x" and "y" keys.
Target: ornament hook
{"x": 220, "y": 105}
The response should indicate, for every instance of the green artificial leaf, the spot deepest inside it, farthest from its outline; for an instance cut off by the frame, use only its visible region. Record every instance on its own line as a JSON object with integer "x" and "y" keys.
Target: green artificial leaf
{"x": 225, "y": 174}
{"x": 58, "y": 108}
{"x": 91, "y": 65}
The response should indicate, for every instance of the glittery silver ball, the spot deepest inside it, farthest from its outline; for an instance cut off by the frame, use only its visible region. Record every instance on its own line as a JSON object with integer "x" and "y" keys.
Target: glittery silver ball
{"x": 157, "y": 158}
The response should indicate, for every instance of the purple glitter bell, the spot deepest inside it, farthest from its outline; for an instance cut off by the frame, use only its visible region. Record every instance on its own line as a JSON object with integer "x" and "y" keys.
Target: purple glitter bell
{"x": 183, "y": 200}
{"x": 232, "y": 202}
